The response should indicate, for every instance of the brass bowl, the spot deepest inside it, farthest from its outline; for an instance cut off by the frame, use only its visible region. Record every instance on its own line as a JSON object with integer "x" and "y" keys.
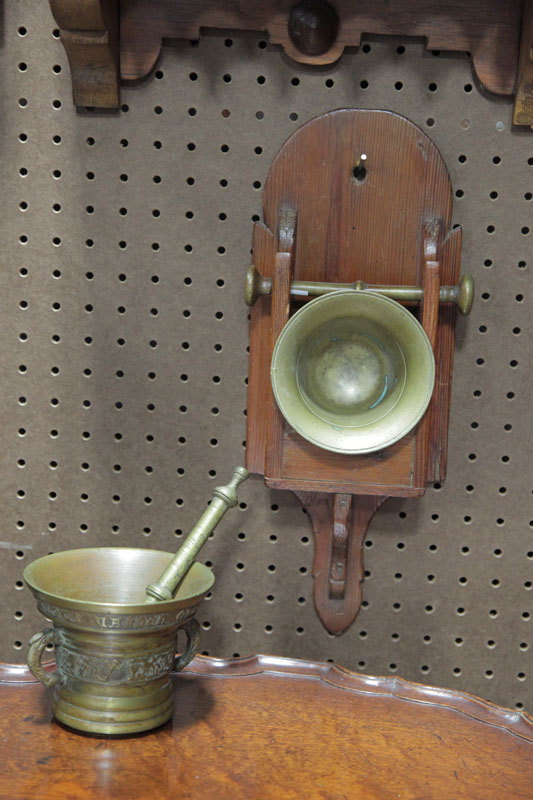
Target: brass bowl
{"x": 353, "y": 372}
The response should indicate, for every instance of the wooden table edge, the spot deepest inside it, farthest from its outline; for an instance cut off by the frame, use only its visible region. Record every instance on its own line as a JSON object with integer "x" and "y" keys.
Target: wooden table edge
{"x": 518, "y": 723}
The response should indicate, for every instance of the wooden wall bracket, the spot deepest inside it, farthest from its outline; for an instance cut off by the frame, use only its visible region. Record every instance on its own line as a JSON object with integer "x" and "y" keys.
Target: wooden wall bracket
{"x": 392, "y": 227}
{"x": 309, "y": 31}
{"x": 317, "y": 32}
{"x": 90, "y": 35}
{"x": 339, "y": 523}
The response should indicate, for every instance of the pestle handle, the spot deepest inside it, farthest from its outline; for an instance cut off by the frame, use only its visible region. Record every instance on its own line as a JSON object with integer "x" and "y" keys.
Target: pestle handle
{"x": 224, "y": 497}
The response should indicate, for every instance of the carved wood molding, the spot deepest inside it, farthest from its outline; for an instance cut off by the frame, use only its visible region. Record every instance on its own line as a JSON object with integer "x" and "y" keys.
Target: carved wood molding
{"x": 310, "y": 32}
{"x": 487, "y": 29}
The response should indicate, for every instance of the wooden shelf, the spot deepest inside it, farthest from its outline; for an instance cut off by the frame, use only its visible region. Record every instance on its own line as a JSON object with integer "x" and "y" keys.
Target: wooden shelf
{"x": 499, "y": 36}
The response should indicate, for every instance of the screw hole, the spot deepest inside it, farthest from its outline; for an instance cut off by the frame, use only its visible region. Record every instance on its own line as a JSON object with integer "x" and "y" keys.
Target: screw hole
{"x": 359, "y": 173}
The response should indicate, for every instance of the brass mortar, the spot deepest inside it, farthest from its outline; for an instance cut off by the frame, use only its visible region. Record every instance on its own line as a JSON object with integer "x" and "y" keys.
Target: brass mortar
{"x": 115, "y": 648}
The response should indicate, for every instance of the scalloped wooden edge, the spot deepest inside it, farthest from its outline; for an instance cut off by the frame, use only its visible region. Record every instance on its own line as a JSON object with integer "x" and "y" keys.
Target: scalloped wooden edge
{"x": 517, "y": 723}
{"x": 89, "y": 32}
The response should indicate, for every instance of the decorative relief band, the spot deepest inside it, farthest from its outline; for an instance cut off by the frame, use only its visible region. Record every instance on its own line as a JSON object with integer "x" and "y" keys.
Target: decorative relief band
{"x": 105, "y": 669}
{"x": 115, "y": 621}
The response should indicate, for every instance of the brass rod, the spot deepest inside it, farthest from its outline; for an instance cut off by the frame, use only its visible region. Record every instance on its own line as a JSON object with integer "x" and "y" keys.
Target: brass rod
{"x": 224, "y": 497}
{"x": 462, "y": 294}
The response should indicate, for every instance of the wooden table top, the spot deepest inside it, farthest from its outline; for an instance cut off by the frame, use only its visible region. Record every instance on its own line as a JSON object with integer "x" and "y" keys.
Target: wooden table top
{"x": 264, "y": 727}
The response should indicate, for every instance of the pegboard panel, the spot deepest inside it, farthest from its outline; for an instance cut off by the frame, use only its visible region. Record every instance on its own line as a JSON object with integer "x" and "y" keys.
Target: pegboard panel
{"x": 124, "y": 351}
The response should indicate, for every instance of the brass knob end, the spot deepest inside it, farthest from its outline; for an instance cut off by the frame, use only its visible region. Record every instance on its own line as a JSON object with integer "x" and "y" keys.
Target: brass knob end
{"x": 465, "y": 296}
{"x": 228, "y": 494}
{"x": 255, "y": 285}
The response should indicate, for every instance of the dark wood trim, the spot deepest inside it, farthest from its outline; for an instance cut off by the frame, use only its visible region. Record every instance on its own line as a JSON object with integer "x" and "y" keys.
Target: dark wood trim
{"x": 338, "y": 568}
{"x": 488, "y": 29}
{"x": 89, "y": 33}
{"x": 343, "y": 488}
{"x": 498, "y": 35}
{"x": 523, "y": 103}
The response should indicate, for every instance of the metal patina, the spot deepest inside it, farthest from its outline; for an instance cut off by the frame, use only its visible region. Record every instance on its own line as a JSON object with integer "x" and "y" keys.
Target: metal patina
{"x": 353, "y": 372}
{"x": 116, "y": 648}
{"x": 114, "y": 652}
{"x": 224, "y": 497}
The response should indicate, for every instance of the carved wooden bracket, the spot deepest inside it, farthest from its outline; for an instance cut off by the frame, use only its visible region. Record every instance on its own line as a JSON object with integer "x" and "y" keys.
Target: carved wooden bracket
{"x": 339, "y": 523}
{"x": 89, "y": 32}
{"x": 310, "y": 32}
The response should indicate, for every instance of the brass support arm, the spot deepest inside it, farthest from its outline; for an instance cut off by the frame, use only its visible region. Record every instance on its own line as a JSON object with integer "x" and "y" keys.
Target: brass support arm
{"x": 462, "y": 294}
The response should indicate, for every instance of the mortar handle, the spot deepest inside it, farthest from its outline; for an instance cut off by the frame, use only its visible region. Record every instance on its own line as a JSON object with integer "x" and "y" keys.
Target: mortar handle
{"x": 192, "y": 631}
{"x": 38, "y": 642}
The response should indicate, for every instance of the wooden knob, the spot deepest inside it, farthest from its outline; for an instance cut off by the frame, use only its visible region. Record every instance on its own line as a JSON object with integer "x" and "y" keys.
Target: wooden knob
{"x": 313, "y": 27}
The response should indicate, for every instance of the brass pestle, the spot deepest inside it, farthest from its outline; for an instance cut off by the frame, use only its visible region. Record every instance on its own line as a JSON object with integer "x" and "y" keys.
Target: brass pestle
{"x": 225, "y": 497}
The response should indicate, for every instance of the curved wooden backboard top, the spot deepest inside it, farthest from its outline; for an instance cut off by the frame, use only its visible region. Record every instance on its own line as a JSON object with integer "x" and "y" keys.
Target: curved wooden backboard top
{"x": 368, "y": 229}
